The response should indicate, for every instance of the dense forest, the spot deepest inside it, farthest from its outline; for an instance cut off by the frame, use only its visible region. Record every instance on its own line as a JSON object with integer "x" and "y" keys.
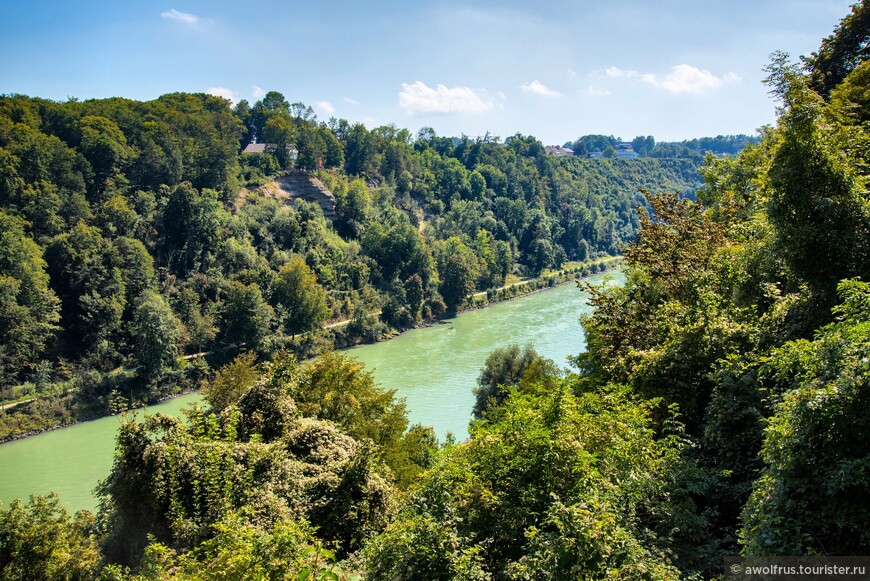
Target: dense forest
{"x": 647, "y": 146}
{"x": 721, "y": 407}
{"x": 136, "y": 235}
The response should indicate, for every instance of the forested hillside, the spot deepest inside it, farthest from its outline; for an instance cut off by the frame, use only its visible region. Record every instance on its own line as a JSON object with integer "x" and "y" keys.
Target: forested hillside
{"x": 647, "y": 146}
{"x": 721, "y": 408}
{"x": 135, "y": 233}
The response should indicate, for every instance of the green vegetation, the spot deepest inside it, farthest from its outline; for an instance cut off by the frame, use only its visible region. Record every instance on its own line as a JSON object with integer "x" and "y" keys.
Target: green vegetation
{"x": 721, "y": 407}
{"x": 647, "y": 146}
{"x": 748, "y": 311}
{"x": 136, "y": 235}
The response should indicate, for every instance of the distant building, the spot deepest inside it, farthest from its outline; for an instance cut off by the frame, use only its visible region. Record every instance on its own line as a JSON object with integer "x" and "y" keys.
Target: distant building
{"x": 271, "y": 148}
{"x": 596, "y": 154}
{"x": 625, "y": 150}
{"x": 558, "y": 151}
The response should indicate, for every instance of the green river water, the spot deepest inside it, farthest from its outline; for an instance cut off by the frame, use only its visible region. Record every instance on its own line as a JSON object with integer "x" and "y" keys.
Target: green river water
{"x": 434, "y": 369}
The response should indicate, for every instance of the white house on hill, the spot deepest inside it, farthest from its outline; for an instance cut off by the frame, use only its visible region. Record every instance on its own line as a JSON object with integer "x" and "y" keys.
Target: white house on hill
{"x": 270, "y": 148}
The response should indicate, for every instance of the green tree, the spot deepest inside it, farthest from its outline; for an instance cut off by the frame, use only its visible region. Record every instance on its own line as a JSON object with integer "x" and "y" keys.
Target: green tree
{"x": 477, "y": 184}
{"x": 311, "y": 146}
{"x": 246, "y": 317}
{"x": 505, "y": 368}
{"x": 398, "y": 251}
{"x": 174, "y": 482}
{"x": 116, "y": 217}
{"x": 359, "y": 151}
{"x": 84, "y": 269}
{"x": 816, "y": 191}
{"x": 199, "y": 320}
{"x": 580, "y": 149}
{"x": 231, "y": 382}
{"x": 352, "y": 209}
{"x": 458, "y": 268}
{"x": 40, "y": 542}
{"x": 334, "y": 150}
{"x": 41, "y": 205}
{"x": 809, "y": 497}
{"x": 300, "y": 299}
{"x": 643, "y": 145}
{"x": 338, "y": 388}
{"x": 104, "y": 145}
{"x": 842, "y": 51}
{"x": 280, "y": 132}
{"x": 242, "y": 550}
{"x": 540, "y": 256}
{"x": 547, "y": 489}
{"x": 159, "y": 160}
{"x": 190, "y": 228}
{"x": 29, "y": 308}
{"x": 156, "y": 332}
{"x": 137, "y": 268}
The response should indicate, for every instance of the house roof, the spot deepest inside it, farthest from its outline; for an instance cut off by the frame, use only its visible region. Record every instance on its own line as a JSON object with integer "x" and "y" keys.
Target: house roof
{"x": 558, "y": 151}
{"x": 268, "y": 148}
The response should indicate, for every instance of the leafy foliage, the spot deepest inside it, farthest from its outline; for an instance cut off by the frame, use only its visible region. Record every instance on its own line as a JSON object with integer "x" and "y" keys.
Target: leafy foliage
{"x": 816, "y": 449}
{"x": 732, "y": 313}
{"x": 545, "y": 489}
{"x": 841, "y": 52}
{"x": 28, "y": 307}
{"x": 39, "y": 541}
{"x": 720, "y": 406}
{"x": 138, "y": 211}
{"x": 506, "y": 368}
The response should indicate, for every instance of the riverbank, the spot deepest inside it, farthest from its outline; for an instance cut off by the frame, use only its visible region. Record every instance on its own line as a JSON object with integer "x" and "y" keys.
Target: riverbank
{"x": 544, "y": 282}
{"x": 40, "y": 415}
{"x": 509, "y": 292}
{"x": 433, "y": 369}
{"x": 79, "y": 420}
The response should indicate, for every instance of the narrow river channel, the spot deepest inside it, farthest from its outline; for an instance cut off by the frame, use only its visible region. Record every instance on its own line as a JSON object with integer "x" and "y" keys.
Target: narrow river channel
{"x": 434, "y": 369}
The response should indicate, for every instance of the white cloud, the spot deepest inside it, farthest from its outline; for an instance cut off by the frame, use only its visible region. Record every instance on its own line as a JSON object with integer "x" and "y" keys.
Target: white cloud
{"x": 180, "y": 16}
{"x": 501, "y": 96}
{"x": 539, "y": 88}
{"x": 688, "y": 79}
{"x": 419, "y": 99}
{"x": 222, "y": 92}
{"x": 618, "y": 73}
{"x": 572, "y": 72}
{"x": 351, "y": 100}
{"x": 594, "y": 91}
{"x": 257, "y": 92}
{"x": 325, "y": 107}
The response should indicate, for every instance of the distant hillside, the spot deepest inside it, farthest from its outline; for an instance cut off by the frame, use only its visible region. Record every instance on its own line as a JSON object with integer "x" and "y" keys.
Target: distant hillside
{"x": 647, "y": 146}
{"x": 140, "y": 232}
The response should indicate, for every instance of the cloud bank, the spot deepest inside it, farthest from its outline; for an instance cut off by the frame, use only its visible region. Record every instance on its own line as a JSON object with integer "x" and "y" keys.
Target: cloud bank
{"x": 325, "y": 107}
{"x": 618, "y": 73}
{"x": 681, "y": 80}
{"x": 688, "y": 79}
{"x": 184, "y": 17}
{"x": 419, "y": 99}
{"x": 539, "y": 88}
{"x": 222, "y": 92}
{"x": 593, "y": 91}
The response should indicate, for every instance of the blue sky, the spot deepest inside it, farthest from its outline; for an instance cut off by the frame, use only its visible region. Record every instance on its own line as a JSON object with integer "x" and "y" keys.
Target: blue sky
{"x": 673, "y": 69}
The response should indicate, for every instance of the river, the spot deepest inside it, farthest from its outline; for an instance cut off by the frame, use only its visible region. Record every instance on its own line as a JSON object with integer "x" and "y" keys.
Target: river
{"x": 433, "y": 368}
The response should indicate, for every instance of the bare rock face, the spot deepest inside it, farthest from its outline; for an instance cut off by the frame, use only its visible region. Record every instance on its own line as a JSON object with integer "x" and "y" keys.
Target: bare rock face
{"x": 309, "y": 188}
